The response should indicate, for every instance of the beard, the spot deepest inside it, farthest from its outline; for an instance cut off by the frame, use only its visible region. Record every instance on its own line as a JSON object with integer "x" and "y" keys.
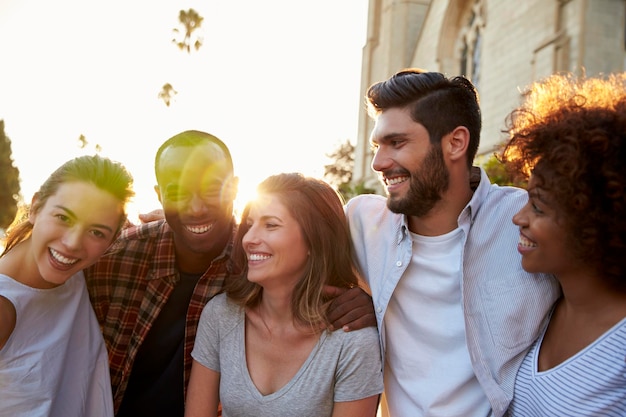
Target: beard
{"x": 426, "y": 187}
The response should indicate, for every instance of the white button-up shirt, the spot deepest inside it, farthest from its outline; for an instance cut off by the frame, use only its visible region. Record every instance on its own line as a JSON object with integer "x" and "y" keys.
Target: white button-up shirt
{"x": 505, "y": 308}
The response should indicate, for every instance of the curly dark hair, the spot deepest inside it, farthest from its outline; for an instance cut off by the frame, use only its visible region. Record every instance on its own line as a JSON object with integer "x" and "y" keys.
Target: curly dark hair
{"x": 570, "y": 133}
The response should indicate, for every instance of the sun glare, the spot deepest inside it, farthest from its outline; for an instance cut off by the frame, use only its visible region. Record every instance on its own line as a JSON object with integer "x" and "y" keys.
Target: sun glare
{"x": 117, "y": 108}
{"x": 246, "y": 193}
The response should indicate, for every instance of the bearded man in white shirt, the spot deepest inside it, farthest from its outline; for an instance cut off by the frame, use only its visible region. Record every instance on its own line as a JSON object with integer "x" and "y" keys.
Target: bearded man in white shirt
{"x": 440, "y": 256}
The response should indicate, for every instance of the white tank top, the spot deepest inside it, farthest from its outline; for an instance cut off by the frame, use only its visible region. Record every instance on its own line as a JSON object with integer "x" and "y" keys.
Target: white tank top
{"x": 55, "y": 363}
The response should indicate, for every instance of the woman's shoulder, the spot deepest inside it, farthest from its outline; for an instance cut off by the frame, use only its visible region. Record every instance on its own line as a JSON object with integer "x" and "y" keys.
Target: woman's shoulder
{"x": 367, "y": 336}
{"x": 222, "y": 302}
{"x": 219, "y": 304}
{"x": 223, "y": 311}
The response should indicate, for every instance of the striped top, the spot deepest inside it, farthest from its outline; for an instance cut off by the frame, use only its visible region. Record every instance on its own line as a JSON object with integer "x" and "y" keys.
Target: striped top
{"x": 591, "y": 383}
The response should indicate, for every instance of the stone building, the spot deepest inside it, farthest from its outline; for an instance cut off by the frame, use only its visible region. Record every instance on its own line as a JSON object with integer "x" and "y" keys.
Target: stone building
{"x": 501, "y": 45}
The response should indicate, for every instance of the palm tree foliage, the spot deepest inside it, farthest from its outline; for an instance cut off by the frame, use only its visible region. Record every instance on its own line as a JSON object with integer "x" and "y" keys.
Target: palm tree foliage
{"x": 191, "y": 21}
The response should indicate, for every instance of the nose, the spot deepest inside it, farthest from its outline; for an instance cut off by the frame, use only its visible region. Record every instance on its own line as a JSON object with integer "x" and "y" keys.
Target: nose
{"x": 381, "y": 160}
{"x": 72, "y": 239}
{"x": 520, "y": 218}
{"x": 250, "y": 237}
{"x": 196, "y": 205}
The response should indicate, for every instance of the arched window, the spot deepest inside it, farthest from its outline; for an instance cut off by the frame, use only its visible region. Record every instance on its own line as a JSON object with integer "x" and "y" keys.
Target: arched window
{"x": 471, "y": 42}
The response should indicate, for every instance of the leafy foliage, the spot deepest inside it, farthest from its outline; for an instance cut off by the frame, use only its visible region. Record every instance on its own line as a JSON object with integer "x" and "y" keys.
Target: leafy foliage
{"x": 83, "y": 143}
{"x": 191, "y": 21}
{"x": 339, "y": 172}
{"x": 500, "y": 174}
{"x": 167, "y": 93}
{"x": 9, "y": 181}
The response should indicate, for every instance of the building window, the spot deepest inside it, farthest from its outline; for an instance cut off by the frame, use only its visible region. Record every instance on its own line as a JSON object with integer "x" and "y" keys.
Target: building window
{"x": 471, "y": 42}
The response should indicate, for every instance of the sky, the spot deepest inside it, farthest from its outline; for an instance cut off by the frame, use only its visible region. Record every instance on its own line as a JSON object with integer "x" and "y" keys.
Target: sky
{"x": 278, "y": 81}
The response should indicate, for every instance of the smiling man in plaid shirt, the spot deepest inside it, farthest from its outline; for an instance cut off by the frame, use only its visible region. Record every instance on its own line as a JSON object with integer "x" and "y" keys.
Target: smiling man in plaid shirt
{"x": 149, "y": 290}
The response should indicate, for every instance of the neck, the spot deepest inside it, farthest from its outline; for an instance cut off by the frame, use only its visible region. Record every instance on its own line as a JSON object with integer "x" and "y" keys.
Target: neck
{"x": 193, "y": 262}
{"x": 443, "y": 218}
{"x": 584, "y": 292}
{"x": 276, "y": 315}
{"x": 276, "y": 307}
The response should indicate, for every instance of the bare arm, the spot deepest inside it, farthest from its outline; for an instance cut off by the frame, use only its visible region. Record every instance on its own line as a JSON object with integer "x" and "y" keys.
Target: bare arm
{"x": 352, "y": 309}
{"x": 203, "y": 392}
{"x": 7, "y": 320}
{"x": 365, "y": 407}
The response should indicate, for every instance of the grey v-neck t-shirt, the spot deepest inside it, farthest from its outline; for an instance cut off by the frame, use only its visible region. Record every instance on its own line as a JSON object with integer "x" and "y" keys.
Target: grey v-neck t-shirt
{"x": 343, "y": 366}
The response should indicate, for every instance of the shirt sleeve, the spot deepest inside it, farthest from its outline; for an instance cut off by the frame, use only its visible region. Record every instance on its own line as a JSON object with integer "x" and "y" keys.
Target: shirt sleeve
{"x": 206, "y": 347}
{"x": 359, "y": 374}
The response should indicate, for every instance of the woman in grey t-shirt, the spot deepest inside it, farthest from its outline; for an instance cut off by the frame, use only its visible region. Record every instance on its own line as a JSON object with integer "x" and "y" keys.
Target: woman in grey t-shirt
{"x": 262, "y": 348}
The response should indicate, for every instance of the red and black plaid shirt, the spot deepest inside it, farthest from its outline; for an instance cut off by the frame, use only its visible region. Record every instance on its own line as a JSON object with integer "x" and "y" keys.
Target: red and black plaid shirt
{"x": 130, "y": 285}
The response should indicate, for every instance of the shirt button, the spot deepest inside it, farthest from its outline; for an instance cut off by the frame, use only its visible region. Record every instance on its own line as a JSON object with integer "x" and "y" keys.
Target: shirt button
{"x": 380, "y": 310}
{"x": 398, "y": 263}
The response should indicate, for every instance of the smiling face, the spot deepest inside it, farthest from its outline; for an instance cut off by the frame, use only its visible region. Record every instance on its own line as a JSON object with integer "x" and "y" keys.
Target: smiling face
{"x": 543, "y": 238}
{"x": 412, "y": 169}
{"x": 197, "y": 189}
{"x": 274, "y": 244}
{"x": 72, "y": 230}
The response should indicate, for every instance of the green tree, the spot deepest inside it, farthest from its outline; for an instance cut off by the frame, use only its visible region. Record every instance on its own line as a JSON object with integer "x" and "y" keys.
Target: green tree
{"x": 190, "y": 21}
{"x": 9, "y": 181}
{"x": 499, "y": 173}
{"x": 83, "y": 143}
{"x": 339, "y": 172}
{"x": 167, "y": 93}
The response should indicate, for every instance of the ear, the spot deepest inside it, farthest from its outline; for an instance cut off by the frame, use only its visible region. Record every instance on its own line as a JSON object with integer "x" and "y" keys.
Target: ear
{"x": 31, "y": 213}
{"x": 456, "y": 144}
{"x": 157, "y": 190}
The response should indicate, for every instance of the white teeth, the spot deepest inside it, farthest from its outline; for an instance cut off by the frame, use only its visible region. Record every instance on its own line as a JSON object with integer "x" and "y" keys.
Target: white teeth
{"x": 199, "y": 229}
{"x": 526, "y": 243}
{"x": 257, "y": 257}
{"x": 396, "y": 180}
{"x": 62, "y": 259}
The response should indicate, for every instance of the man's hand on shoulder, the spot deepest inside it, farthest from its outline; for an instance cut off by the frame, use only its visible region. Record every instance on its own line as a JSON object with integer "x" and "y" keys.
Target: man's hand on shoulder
{"x": 151, "y": 216}
{"x": 351, "y": 309}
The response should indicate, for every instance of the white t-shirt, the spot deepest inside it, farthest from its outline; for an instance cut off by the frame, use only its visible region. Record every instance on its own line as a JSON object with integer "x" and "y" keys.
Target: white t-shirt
{"x": 431, "y": 369}
{"x": 55, "y": 363}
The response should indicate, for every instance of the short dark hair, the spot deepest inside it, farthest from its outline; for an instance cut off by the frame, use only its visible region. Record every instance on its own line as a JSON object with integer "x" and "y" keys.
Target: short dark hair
{"x": 191, "y": 138}
{"x": 438, "y": 103}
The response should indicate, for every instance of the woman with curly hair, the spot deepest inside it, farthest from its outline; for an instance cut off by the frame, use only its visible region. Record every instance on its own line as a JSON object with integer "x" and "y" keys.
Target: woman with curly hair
{"x": 570, "y": 136}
